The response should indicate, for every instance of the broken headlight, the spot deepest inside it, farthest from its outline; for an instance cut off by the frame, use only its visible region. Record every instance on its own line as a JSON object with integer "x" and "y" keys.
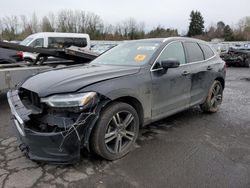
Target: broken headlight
{"x": 69, "y": 100}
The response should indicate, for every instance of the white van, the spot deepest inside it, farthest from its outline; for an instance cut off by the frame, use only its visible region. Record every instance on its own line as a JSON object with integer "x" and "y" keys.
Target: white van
{"x": 53, "y": 40}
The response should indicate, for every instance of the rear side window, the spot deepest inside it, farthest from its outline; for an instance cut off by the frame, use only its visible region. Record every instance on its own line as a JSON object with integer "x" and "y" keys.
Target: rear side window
{"x": 174, "y": 50}
{"x": 208, "y": 52}
{"x": 194, "y": 52}
{"x": 64, "y": 42}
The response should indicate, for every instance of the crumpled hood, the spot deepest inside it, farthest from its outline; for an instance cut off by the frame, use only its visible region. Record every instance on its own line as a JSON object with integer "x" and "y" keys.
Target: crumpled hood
{"x": 74, "y": 78}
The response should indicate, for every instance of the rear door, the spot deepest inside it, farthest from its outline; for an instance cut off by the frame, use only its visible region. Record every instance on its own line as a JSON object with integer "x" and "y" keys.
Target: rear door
{"x": 171, "y": 88}
{"x": 200, "y": 68}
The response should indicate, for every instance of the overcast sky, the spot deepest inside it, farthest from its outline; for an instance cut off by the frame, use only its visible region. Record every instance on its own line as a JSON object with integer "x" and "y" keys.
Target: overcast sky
{"x": 168, "y": 13}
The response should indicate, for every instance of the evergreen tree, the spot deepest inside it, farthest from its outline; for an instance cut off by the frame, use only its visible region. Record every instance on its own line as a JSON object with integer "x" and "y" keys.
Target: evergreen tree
{"x": 196, "y": 25}
{"x": 228, "y": 33}
{"x": 220, "y": 29}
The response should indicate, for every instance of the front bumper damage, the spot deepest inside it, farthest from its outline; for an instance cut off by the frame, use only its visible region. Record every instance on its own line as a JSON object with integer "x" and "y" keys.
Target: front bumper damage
{"x": 56, "y": 147}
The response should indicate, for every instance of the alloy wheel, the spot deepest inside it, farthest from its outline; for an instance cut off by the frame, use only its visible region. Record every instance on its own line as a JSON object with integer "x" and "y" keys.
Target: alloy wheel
{"x": 216, "y": 98}
{"x": 120, "y": 132}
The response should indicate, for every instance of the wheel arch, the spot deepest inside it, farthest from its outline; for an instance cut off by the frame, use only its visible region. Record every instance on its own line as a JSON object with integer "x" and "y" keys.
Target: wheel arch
{"x": 135, "y": 103}
{"x": 221, "y": 80}
{"x": 28, "y": 59}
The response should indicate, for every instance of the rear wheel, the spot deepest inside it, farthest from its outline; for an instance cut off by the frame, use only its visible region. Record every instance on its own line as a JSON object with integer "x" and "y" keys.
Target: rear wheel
{"x": 247, "y": 62}
{"x": 28, "y": 61}
{"x": 116, "y": 131}
{"x": 214, "y": 98}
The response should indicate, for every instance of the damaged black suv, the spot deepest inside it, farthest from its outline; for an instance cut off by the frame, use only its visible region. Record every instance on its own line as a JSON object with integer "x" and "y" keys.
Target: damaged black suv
{"x": 102, "y": 105}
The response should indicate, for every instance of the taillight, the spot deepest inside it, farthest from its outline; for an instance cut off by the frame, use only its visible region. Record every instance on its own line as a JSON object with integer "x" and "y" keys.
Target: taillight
{"x": 20, "y": 55}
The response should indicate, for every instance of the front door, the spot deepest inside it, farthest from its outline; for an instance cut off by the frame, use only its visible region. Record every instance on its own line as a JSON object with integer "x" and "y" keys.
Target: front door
{"x": 170, "y": 88}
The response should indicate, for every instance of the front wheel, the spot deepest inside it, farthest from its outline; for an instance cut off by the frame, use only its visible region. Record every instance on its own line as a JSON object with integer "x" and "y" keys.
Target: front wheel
{"x": 214, "y": 98}
{"x": 116, "y": 131}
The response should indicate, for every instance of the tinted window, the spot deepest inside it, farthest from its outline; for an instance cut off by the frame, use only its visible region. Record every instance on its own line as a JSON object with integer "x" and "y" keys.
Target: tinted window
{"x": 194, "y": 52}
{"x": 64, "y": 42}
{"x": 173, "y": 51}
{"x": 37, "y": 43}
{"x": 208, "y": 52}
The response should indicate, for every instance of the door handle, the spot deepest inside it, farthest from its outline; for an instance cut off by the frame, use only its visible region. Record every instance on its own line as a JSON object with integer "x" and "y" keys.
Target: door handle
{"x": 185, "y": 73}
{"x": 209, "y": 68}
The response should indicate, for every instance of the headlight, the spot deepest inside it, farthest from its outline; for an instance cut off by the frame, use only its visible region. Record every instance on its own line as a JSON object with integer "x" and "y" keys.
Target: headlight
{"x": 69, "y": 100}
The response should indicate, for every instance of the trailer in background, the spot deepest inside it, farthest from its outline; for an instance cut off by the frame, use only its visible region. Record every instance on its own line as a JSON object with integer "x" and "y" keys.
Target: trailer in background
{"x": 12, "y": 74}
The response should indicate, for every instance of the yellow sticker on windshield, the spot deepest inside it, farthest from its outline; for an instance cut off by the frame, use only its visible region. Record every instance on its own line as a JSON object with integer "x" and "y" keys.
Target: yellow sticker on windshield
{"x": 140, "y": 58}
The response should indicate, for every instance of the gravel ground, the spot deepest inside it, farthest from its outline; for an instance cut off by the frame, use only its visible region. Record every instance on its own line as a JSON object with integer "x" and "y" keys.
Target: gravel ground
{"x": 189, "y": 149}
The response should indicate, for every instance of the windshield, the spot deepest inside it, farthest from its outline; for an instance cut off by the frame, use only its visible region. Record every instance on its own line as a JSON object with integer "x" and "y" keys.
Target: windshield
{"x": 26, "y": 41}
{"x": 134, "y": 53}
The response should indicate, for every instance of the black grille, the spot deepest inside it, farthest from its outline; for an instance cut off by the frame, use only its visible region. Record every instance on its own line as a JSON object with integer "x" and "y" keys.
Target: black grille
{"x": 30, "y": 97}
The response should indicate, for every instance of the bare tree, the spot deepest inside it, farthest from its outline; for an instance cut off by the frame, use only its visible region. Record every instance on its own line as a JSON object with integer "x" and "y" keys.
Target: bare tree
{"x": 66, "y": 20}
{"x": 9, "y": 27}
{"x": 24, "y": 22}
{"x": 34, "y": 23}
{"x": 1, "y": 30}
{"x": 244, "y": 27}
{"x": 211, "y": 34}
{"x": 25, "y": 27}
{"x": 52, "y": 20}
{"x": 131, "y": 29}
{"x": 71, "y": 21}
{"x": 46, "y": 25}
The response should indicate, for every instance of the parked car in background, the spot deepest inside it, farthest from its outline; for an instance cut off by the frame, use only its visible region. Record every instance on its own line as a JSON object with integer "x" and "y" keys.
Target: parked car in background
{"x": 10, "y": 56}
{"x": 237, "y": 57}
{"x": 54, "y": 40}
{"x": 99, "y": 49}
{"x": 102, "y": 105}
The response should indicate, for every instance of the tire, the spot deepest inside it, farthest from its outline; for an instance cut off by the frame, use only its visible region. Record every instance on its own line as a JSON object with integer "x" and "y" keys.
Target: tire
{"x": 116, "y": 131}
{"x": 214, "y": 98}
{"x": 247, "y": 62}
{"x": 28, "y": 61}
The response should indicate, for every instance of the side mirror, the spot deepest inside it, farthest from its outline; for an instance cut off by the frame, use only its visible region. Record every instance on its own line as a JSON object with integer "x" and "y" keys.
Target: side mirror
{"x": 170, "y": 63}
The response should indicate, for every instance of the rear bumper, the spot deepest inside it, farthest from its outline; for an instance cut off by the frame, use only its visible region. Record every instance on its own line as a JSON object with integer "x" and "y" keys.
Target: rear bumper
{"x": 58, "y": 147}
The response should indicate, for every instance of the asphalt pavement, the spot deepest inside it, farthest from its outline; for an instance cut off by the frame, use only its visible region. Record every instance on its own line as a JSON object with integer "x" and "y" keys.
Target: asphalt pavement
{"x": 189, "y": 149}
